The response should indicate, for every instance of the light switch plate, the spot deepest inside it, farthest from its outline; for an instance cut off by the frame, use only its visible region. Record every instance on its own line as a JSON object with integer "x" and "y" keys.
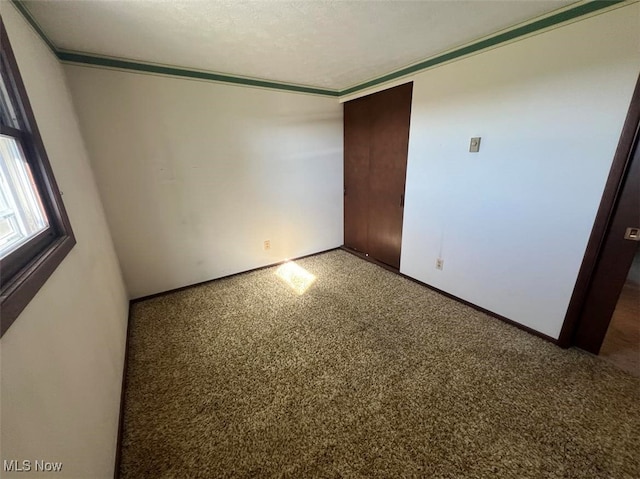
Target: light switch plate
{"x": 474, "y": 145}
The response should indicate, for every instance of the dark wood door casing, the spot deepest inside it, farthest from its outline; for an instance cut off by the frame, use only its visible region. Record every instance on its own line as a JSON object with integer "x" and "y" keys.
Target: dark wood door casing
{"x": 608, "y": 256}
{"x": 376, "y": 135}
{"x": 613, "y": 264}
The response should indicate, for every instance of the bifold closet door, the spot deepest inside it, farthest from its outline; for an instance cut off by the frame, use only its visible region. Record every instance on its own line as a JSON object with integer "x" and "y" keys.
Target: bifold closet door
{"x": 376, "y": 141}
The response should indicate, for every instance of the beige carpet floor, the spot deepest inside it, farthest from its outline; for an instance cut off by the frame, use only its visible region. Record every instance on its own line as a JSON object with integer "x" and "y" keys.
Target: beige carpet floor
{"x": 365, "y": 375}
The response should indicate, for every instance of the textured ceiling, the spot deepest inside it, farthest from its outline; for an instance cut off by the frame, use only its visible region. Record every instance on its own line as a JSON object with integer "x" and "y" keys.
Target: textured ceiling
{"x": 327, "y": 44}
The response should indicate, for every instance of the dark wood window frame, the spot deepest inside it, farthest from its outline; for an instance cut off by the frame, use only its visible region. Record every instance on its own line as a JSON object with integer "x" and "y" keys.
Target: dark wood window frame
{"x": 25, "y": 270}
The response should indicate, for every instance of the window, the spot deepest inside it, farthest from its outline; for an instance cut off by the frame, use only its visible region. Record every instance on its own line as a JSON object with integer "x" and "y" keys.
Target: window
{"x": 22, "y": 214}
{"x": 35, "y": 234}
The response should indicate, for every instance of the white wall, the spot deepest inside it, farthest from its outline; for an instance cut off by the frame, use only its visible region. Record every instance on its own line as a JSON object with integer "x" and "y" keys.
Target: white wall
{"x": 196, "y": 175}
{"x": 512, "y": 221}
{"x": 62, "y": 358}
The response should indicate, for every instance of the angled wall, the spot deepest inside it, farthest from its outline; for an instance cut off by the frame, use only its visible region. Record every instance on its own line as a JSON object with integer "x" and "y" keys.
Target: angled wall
{"x": 62, "y": 359}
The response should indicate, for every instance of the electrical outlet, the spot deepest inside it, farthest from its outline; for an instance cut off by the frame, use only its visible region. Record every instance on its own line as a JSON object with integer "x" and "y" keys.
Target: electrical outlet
{"x": 267, "y": 244}
{"x": 439, "y": 263}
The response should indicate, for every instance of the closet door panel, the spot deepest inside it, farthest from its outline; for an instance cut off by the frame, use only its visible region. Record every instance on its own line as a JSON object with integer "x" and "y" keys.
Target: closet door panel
{"x": 389, "y": 143}
{"x": 356, "y": 173}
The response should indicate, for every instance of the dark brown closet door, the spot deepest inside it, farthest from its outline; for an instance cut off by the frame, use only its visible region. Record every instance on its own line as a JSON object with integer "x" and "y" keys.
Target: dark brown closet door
{"x": 376, "y": 141}
{"x": 387, "y": 171}
{"x": 356, "y": 174}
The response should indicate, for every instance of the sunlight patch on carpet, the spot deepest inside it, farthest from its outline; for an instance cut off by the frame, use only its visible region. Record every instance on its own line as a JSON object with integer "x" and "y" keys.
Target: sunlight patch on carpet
{"x": 298, "y": 278}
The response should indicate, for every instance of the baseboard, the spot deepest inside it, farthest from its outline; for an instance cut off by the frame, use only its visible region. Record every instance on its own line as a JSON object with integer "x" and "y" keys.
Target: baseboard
{"x": 116, "y": 471}
{"x": 194, "y": 285}
{"x": 451, "y": 296}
